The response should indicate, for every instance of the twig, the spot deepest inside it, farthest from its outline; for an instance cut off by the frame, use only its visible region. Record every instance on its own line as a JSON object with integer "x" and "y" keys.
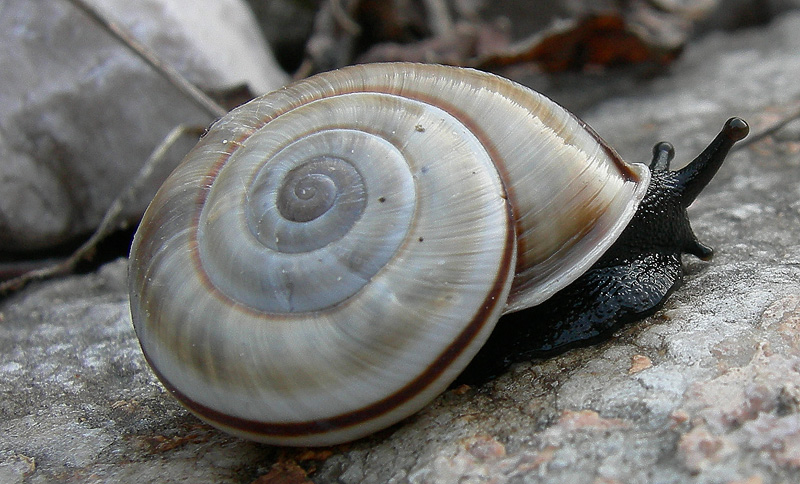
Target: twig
{"x": 331, "y": 42}
{"x": 113, "y": 219}
{"x": 167, "y": 71}
{"x": 341, "y": 15}
{"x": 439, "y": 18}
{"x": 769, "y": 131}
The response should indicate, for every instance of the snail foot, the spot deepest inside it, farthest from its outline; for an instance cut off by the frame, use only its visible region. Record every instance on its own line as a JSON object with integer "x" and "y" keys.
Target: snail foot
{"x": 587, "y": 311}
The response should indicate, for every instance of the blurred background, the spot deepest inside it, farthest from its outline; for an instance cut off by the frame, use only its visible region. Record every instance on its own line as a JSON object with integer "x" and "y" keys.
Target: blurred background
{"x": 80, "y": 113}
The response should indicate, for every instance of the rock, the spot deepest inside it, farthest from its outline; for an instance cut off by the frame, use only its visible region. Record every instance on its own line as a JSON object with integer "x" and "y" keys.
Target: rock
{"x": 706, "y": 390}
{"x": 80, "y": 114}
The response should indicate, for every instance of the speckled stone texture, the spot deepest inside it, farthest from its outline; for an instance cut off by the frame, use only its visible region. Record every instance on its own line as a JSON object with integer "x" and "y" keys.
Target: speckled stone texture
{"x": 705, "y": 391}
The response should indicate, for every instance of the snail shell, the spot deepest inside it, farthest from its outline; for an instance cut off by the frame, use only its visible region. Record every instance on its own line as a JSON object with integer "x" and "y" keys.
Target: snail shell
{"x": 330, "y": 256}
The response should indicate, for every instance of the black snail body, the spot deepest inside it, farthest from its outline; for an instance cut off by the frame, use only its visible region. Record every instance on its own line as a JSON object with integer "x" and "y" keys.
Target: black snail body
{"x": 331, "y": 256}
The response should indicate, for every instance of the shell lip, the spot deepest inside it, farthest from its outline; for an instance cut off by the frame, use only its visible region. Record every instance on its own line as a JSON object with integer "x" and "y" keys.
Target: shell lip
{"x": 522, "y": 297}
{"x": 633, "y": 172}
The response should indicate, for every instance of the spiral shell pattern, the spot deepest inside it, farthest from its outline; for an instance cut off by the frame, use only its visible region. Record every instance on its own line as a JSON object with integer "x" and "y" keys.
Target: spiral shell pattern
{"x": 331, "y": 255}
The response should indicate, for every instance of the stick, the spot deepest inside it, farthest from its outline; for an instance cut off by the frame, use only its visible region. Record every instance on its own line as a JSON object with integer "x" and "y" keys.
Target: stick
{"x": 146, "y": 54}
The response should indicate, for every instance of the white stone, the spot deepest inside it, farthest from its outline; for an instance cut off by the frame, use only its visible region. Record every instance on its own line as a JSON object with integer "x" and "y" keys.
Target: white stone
{"x": 79, "y": 112}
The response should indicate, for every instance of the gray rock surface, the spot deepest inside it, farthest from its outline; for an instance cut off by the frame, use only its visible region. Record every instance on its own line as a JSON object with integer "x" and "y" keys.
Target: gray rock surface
{"x": 80, "y": 114}
{"x": 705, "y": 391}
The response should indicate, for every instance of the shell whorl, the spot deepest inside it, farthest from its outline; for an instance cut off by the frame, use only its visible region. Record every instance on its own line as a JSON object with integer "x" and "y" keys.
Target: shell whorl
{"x": 331, "y": 255}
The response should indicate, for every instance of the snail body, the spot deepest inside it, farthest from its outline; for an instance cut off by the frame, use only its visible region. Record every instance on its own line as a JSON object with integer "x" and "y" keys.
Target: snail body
{"x": 331, "y": 256}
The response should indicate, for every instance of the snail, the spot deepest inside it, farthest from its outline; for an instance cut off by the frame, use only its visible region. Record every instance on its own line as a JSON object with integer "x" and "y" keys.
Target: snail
{"x": 332, "y": 255}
